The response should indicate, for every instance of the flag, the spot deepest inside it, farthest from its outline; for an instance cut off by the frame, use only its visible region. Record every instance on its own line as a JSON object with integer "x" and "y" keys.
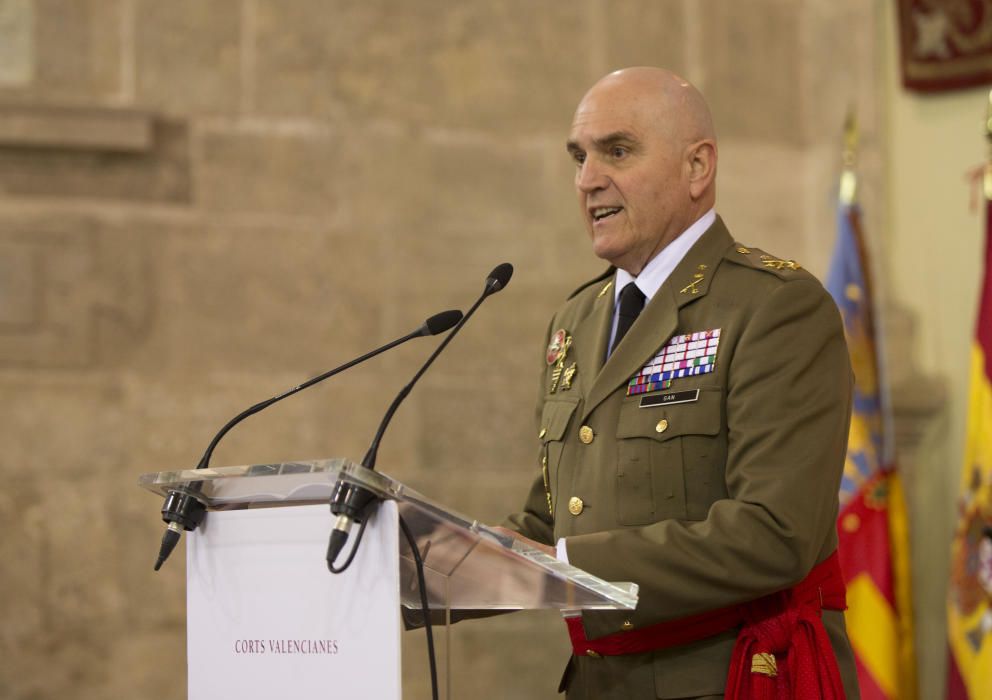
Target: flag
{"x": 969, "y": 604}
{"x": 872, "y": 525}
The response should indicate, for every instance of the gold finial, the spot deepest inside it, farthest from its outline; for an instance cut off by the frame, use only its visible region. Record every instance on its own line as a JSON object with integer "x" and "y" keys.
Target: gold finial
{"x": 765, "y": 664}
{"x": 987, "y": 180}
{"x": 848, "y": 178}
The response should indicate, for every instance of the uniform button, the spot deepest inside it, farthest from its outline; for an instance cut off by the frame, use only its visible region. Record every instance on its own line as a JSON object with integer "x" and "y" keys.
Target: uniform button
{"x": 586, "y": 434}
{"x": 544, "y": 431}
{"x": 662, "y": 425}
{"x": 627, "y": 625}
{"x": 575, "y": 505}
{"x": 593, "y": 654}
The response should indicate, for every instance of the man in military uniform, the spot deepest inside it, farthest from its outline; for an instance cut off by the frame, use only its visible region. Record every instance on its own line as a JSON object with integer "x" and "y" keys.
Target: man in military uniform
{"x": 692, "y": 420}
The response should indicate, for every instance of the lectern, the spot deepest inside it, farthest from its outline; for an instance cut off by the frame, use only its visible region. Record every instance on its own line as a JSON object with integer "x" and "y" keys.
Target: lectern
{"x": 265, "y": 618}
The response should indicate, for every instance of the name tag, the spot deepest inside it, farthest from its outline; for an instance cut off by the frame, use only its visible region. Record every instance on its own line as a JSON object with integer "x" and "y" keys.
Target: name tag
{"x": 666, "y": 399}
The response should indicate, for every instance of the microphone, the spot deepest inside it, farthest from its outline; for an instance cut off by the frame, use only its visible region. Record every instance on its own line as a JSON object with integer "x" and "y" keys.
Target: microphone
{"x": 182, "y": 511}
{"x": 351, "y": 502}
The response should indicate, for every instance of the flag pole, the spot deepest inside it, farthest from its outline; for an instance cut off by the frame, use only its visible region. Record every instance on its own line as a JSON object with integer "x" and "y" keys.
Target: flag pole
{"x": 848, "y": 176}
{"x": 848, "y": 196}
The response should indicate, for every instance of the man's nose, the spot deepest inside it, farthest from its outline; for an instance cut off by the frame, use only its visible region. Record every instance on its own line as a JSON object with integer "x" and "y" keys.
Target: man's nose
{"x": 591, "y": 177}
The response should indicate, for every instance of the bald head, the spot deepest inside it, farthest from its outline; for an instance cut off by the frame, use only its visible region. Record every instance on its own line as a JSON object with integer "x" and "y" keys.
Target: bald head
{"x": 645, "y": 153}
{"x": 660, "y": 96}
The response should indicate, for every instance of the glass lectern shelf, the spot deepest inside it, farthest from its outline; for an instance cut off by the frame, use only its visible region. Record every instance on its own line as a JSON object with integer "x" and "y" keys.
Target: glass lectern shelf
{"x": 467, "y": 565}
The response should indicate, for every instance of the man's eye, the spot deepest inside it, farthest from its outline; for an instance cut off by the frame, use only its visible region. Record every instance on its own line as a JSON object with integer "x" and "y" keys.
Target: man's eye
{"x": 579, "y": 158}
{"x": 619, "y": 151}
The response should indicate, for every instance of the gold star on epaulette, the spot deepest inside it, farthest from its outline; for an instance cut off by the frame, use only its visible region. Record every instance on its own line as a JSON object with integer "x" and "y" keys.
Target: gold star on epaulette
{"x": 768, "y": 261}
{"x": 776, "y": 264}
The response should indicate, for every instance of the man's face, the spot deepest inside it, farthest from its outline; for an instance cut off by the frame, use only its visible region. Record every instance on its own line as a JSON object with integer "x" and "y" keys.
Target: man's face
{"x": 630, "y": 177}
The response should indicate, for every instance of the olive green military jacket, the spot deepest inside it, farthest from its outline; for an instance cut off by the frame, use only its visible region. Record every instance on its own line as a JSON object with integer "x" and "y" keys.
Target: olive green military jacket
{"x": 716, "y": 490}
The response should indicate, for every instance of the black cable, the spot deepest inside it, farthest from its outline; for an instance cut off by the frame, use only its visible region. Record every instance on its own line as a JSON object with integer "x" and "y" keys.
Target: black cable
{"x": 425, "y": 606}
{"x": 354, "y": 548}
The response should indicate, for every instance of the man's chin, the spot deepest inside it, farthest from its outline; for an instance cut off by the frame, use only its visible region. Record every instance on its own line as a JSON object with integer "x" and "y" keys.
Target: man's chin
{"x": 606, "y": 252}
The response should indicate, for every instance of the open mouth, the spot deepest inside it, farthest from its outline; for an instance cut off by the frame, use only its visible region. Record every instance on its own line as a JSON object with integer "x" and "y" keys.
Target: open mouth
{"x": 603, "y": 213}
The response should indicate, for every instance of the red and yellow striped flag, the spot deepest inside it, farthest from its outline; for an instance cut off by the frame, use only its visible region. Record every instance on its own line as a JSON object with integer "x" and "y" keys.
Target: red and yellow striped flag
{"x": 969, "y": 605}
{"x": 872, "y": 525}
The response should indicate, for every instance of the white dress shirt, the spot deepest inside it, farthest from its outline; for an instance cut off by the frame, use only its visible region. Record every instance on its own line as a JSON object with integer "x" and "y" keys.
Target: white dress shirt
{"x": 659, "y": 267}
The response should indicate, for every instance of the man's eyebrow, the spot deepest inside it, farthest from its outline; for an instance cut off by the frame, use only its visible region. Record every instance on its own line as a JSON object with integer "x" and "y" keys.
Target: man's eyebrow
{"x": 613, "y": 138}
{"x": 603, "y": 142}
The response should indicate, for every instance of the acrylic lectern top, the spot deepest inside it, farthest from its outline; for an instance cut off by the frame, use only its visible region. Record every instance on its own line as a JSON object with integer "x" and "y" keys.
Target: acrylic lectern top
{"x": 466, "y": 564}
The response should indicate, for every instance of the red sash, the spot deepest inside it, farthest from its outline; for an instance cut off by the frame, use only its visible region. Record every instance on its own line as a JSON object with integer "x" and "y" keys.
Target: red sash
{"x": 782, "y": 649}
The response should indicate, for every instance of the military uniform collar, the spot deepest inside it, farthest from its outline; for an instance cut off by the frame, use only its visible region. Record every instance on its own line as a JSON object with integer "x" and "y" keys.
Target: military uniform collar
{"x": 691, "y": 278}
{"x": 661, "y": 266}
{"x": 688, "y": 282}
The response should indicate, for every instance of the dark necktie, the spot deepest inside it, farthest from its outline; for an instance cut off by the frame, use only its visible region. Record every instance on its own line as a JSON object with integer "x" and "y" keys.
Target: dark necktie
{"x": 631, "y": 304}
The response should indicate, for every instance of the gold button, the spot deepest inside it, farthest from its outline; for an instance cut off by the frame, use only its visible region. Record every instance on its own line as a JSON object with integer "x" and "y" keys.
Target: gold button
{"x": 586, "y": 434}
{"x": 662, "y": 425}
{"x": 627, "y": 625}
{"x": 593, "y": 654}
{"x": 575, "y": 505}
{"x": 544, "y": 431}
{"x": 743, "y": 251}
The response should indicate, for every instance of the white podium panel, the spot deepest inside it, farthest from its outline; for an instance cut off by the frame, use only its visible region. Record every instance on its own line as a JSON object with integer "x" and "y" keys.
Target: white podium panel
{"x": 266, "y": 619}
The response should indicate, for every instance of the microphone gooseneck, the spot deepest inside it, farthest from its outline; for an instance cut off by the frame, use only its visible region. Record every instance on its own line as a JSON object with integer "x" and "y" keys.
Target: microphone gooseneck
{"x": 351, "y": 502}
{"x": 496, "y": 281}
{"x": 183, "y": 511}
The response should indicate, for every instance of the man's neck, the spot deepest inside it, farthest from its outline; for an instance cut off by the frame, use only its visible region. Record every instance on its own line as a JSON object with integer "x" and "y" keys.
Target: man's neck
{"x": 653, "y": 274}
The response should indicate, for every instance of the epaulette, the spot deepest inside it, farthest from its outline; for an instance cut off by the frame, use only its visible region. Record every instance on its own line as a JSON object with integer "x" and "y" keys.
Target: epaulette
{"x": 760, "y": 260}
{"x": 609, "y": 273}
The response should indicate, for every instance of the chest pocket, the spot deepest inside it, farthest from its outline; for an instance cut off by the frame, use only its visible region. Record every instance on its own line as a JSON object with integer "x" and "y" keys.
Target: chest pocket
{"x": 555, "y": 417}
{"x": 670, "y": 459}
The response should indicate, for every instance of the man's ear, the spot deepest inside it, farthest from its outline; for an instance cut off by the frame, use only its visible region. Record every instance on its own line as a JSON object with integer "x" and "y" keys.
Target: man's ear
{"x": 701, "y": 161}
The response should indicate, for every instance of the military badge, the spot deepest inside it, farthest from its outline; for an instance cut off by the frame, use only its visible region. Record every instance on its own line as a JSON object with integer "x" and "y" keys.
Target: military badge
{"x": 776, "y": 264}
{"x": 697, "y": 279}
{"x": 556, "y": 347}
{"x": 567, "y": 375}
{"x": 561, "y": 341}
{"x": 682, "y": 356}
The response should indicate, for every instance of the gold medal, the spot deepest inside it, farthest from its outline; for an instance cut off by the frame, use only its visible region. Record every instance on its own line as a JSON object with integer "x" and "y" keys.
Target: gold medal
{"x": 561, "y": 341}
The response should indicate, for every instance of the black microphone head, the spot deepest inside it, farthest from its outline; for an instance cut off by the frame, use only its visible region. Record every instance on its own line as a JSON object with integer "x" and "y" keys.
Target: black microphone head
{"x": 439, "y": 323}
{"x": 499, "y": 278}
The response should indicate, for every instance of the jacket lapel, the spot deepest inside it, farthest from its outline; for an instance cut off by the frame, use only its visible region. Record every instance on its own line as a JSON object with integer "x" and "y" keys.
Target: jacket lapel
{"x": 593, "y": 329}
{"x": 659, "y": 320}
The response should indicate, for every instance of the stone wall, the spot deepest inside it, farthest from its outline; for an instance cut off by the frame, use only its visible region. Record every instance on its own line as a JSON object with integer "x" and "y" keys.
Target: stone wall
{"x": 203, "y": 203}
